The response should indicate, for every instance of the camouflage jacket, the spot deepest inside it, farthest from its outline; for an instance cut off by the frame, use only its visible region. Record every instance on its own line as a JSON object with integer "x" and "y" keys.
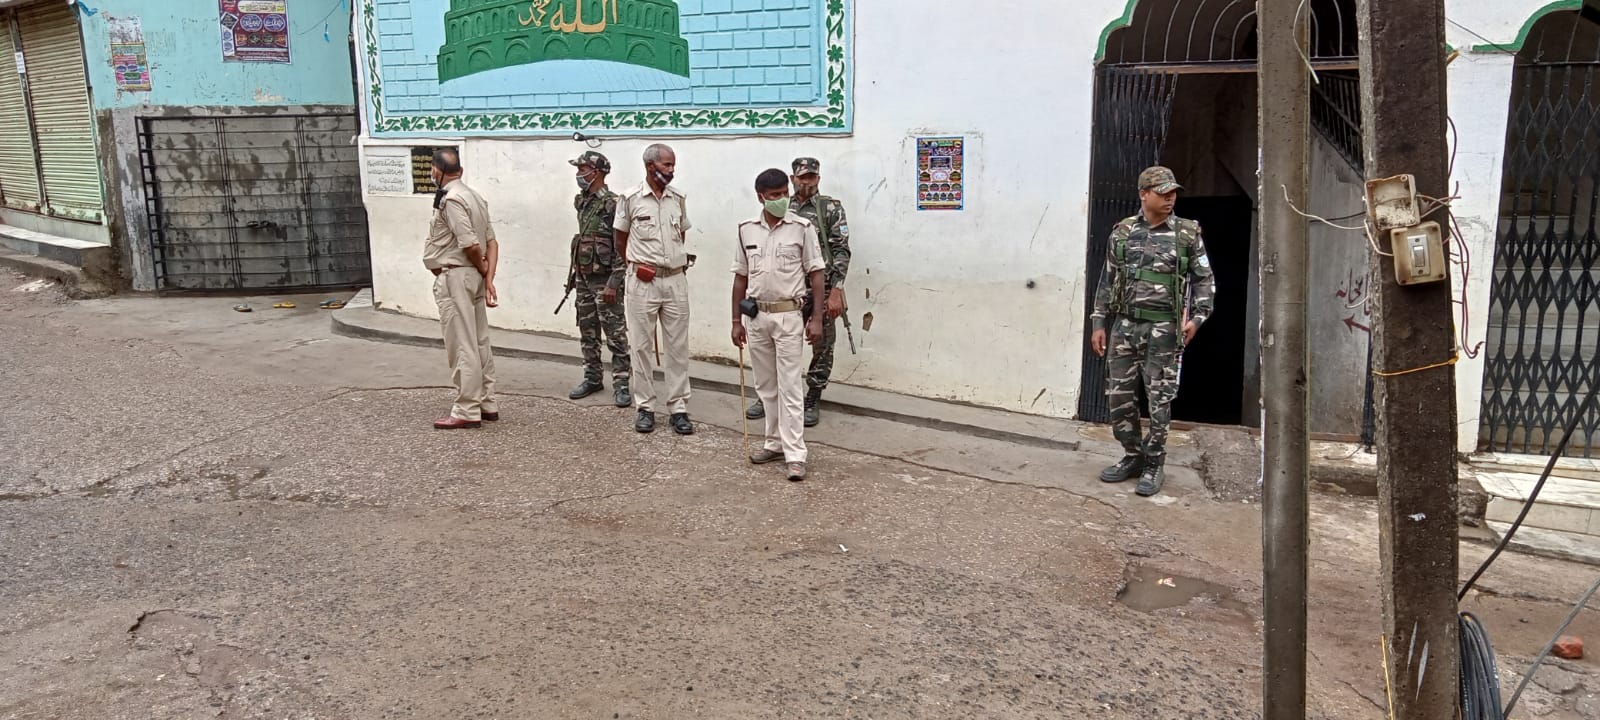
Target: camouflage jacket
{"x": 593, "y": 252}
{"x": 833, "y": 232}
{"x": 1146, "y": 253}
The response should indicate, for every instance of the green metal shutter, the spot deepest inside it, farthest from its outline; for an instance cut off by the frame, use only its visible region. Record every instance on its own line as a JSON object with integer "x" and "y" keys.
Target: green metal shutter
{"x": 61, "y": 116}
{"x": 19, "y": 174}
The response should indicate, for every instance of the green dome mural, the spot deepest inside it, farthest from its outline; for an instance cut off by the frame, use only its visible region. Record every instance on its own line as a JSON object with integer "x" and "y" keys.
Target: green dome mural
{"x": 483, "y": 35}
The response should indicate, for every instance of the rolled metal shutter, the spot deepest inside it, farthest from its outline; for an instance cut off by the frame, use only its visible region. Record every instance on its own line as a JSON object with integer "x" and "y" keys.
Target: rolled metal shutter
{"x": 19, "y": 173}
{"x": 61, "y": 115}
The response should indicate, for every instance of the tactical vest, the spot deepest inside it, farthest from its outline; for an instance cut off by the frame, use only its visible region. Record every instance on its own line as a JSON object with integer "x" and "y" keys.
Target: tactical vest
{"x": 1176, "y": 283}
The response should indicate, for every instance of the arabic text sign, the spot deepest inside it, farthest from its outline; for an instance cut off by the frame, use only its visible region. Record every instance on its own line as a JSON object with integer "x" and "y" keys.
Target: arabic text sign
{"x": 388, "y": 170}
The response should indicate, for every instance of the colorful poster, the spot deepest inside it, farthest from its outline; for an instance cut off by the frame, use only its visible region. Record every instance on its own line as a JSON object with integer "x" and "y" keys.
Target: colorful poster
{"x": 254, "y": 30}
{"x": 129, "y": 62}
{"x": 940, "y": 176}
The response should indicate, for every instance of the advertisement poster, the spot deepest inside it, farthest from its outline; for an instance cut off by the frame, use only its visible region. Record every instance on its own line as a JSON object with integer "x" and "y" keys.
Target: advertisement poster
{"x": 939, "y": 173}
{"x": 254, "y": 30}
{"x": 129, "y": 62}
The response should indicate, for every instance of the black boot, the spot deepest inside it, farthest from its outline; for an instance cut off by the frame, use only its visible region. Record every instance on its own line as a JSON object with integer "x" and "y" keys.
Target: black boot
{"x": 623, "y": 396}
{"x": 646, "y": 423}
{"x": 588, "y": 387}
{"x": 1154, "y": 477}
{"x": 1127, "y": 469}
{"x": 812, "y": 414}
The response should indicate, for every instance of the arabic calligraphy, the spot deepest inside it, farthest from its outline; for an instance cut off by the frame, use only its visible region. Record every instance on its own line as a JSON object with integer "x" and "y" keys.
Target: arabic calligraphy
{"x": 538, "y": 9}
{"x": 1353, "y": 291}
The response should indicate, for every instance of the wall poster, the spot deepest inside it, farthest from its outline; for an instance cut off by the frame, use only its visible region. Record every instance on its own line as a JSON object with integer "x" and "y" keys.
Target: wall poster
{"x": 606, "y": 67}
{"x": 129, "y": 62}
{"x": 254, "y": 30}
{"x": 940, "y": 177}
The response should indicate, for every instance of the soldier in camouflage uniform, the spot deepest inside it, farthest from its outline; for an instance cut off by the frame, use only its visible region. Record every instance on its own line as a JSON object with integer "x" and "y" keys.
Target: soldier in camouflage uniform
{"x": 1155, "y": 292}
{"x": 827, "y": 215}
{"x": 597, "y": 274}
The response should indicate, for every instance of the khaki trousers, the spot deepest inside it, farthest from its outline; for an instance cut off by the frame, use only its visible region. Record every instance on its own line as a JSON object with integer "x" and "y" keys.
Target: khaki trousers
{"x": 777, "y": 343}
{"x": 465, "y": 319}
{"x": 664, "y": 301}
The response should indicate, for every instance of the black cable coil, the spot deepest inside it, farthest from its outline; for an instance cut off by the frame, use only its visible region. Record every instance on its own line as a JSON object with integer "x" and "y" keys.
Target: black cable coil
{"x": 1480, "y": 678}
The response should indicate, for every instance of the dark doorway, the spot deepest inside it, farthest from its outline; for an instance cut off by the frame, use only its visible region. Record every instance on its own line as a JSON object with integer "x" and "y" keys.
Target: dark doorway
{"x": 1212, "y": 387}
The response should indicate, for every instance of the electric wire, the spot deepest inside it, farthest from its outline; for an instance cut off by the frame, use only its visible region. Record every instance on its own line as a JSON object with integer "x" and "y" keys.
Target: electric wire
{"x": 1550, "y": 467}
{"x": 1528, "y": 677}
{"x": 1480, "y": 677}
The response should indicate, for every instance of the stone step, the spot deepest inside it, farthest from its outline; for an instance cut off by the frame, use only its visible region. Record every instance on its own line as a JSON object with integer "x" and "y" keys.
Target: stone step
{"x": 1550, "y": 543}
{"x": 1571, "y": 468}
{"x": 1566, "y": 505}
{"x": 97, "y": 260}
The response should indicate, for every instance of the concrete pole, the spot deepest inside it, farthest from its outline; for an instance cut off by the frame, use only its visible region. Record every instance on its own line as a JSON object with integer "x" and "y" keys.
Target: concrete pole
{"x": 1285, "y": 107}
{"x": 1403, "y": 90}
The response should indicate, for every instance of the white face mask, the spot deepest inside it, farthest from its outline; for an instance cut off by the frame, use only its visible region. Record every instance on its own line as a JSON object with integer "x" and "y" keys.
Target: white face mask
{"x": 584, "y": 181}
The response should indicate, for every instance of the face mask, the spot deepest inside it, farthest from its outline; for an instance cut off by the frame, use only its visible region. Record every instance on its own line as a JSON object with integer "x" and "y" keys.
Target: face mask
{"x": 585, "y": 181}
{"x": 664, "y": 178}
{"x": 777, "y": 208}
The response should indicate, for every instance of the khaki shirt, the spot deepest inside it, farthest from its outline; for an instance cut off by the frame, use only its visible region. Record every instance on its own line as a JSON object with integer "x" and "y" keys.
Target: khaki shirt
{"x": 778, "y": 259}
{"x": 461, "y": 221}
{"x": 656, "y": 227}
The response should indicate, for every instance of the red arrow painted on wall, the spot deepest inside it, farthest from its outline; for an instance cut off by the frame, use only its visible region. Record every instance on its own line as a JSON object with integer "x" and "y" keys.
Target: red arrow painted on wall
{"x": 1351, "y": 324}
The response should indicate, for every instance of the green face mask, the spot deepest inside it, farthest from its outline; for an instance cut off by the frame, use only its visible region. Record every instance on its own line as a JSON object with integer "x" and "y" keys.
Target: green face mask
{"x": 777, "y": 208}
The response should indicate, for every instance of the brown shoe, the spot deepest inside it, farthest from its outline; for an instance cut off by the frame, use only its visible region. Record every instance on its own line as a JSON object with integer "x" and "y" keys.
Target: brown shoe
{"x": 491, "y": 417}
{"x": 455, "y": 423}
{"x": 764, "y": 456}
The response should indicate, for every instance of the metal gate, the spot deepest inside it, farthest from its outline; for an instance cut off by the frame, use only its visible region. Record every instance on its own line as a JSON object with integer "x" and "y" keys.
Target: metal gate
{"x": 1132, "y": 109}
{"x": 254, "y": 203}
{"x": 1545, "y": 311}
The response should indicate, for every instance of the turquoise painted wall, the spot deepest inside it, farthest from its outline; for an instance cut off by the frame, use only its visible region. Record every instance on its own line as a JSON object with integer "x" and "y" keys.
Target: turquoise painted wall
{"x": 184, "y": 46}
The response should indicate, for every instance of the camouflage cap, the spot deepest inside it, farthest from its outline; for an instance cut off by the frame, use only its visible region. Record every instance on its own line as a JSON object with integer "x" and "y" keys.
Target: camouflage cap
{"x": 1159, "y": 179}
{"x": 807, "y": 166}
{"x": 594, "y": 160}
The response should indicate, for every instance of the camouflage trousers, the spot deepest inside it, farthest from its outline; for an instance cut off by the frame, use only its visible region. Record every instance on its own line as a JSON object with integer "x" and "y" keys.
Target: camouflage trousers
{"x": 822, "y": 357}
{"x": 594, "y": 317}
{"x": 1147, "y": 352}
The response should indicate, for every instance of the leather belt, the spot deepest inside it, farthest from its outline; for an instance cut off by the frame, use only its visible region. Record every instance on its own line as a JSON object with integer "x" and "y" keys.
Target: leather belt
{"x": 781, "y": 306}
{"x": 442, "y": 269}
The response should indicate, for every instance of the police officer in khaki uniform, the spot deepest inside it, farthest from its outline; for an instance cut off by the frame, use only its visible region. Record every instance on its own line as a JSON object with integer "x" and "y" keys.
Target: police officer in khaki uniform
{"x": 777, "y": 265}
{"x": 651, "y": 226}
{"x": 462, "y": 254}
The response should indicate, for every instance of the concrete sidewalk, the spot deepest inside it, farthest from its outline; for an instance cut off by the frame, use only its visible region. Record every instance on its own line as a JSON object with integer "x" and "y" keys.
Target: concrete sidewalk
{"x": 1336, "y": 468}
{"x": 360, "y": 320}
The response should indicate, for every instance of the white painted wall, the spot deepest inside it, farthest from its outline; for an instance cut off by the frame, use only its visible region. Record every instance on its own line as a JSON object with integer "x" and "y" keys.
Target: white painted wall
{"x": 953, "y": 314}
{"x": 1480, "y": 87}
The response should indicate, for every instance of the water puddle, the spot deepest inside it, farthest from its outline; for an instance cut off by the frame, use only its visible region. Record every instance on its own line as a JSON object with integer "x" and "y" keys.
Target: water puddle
{"x": 1149, "y": 589}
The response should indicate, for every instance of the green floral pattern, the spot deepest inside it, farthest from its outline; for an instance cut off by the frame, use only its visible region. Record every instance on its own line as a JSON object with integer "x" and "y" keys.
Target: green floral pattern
{"x": 834, "y": 118}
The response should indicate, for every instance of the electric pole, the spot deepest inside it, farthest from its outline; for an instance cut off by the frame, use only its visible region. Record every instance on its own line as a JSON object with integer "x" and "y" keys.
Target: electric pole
{"x": 1285, "y": 118}
{"x": 1403, "y": 85}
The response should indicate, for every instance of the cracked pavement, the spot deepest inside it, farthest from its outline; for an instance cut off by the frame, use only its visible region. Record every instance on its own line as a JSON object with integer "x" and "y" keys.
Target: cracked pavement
{"x": 212, "y": 514}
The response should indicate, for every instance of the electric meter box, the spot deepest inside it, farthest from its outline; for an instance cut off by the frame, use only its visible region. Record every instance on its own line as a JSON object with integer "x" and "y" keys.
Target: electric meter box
{"x": 1418, "y": 254}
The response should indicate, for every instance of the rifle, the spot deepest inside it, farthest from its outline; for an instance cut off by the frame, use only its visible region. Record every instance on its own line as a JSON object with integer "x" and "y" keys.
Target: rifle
{"x": 568, "y": 294}
{"x": 572, "y": 274}
{"x": 848, "y": 333}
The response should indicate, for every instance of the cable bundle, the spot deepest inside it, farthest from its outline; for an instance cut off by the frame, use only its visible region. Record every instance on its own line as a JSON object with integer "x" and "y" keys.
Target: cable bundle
{"x": 1480, "y": 678}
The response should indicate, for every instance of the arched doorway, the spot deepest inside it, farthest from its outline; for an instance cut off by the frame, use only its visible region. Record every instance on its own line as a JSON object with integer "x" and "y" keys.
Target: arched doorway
{"x": 1175, "y": 85}
{"x": 1544, "y": 323}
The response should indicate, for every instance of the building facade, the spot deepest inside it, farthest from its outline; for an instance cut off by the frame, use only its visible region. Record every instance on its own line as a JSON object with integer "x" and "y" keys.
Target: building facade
{"x": 982, "y": 166}
{"x": 208, "y": 143}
